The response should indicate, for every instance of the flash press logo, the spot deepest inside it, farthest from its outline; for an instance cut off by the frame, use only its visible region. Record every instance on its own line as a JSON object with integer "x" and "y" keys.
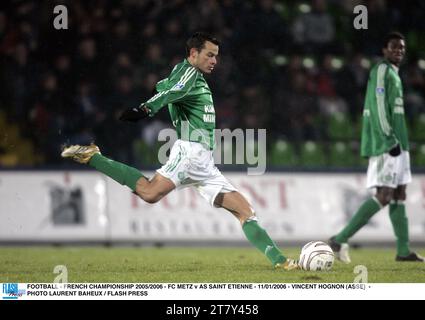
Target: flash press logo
{"x": 11, "y": 291}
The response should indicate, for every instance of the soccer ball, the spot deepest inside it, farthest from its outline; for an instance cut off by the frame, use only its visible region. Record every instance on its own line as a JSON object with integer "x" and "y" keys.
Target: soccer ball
{"x": 316, "y": 256}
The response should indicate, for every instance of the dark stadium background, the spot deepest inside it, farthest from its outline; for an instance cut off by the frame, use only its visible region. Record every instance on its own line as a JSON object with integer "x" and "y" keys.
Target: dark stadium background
{"x": 296, "y": 68}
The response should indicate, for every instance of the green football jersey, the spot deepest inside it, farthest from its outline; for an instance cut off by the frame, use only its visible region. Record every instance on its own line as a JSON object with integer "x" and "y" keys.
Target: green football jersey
{"x": 190, "y": 104}
{"x": 384, "y": 123}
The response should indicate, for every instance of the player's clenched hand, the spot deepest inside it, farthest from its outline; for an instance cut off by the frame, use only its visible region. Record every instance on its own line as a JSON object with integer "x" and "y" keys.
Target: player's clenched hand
{"x": 395, "y": 151}
{"x": 135, "y": 114}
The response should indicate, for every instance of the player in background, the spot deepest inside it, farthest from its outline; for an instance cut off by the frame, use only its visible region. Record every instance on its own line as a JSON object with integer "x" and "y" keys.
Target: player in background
{"x": 191, "y": 163}
{"x": 385, "y": 142}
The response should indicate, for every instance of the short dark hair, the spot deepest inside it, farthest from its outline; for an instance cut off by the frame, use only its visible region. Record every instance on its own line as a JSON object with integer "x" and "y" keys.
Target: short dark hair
{"x": 390, "y": 36}
{"x": 197, "y": 41}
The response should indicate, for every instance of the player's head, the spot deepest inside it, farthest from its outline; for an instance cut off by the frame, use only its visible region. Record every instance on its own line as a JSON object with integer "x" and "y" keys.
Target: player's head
{"x": 394, "y": 48}
{"x": 202, "y": 51}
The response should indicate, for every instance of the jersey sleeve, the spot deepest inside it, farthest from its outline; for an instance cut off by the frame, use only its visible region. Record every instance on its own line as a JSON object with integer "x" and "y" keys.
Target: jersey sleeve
{"x": 173, "y": 89}
{"x": 162, "y": 85}
{"x": 393, "y": 93}
{"x": 383, "y": 94}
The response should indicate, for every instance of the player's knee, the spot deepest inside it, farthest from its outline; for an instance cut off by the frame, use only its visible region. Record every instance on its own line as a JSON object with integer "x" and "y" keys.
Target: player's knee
{"x": 385, "y": 195}
{"x": 400, "y": 196}
{"x": 384, "y": 199}
{"x": 150, "y": 197}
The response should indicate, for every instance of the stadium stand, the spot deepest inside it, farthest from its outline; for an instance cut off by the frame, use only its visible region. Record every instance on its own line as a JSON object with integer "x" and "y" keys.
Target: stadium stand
{"x": 275, "y": 71}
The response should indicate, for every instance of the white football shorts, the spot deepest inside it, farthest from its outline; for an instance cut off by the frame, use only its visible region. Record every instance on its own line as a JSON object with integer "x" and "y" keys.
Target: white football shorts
{"x": 387, "y": 171}
{"x": 191, "y": 164}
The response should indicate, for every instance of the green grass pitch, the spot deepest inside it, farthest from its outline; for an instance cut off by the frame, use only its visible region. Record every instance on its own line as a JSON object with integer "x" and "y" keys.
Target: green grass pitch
{"x": 188, "y": 265}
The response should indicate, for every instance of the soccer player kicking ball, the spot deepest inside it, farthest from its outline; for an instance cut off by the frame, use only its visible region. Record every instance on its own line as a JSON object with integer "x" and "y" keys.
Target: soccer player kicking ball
{"x": 191, "y": 162}
{"x": 385, "y": 143}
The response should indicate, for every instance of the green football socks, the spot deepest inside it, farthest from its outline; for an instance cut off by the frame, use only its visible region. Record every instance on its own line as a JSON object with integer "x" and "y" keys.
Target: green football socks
{"x": 400, "y": 225}
{"x": 360, "y": 218}
{"x": 120, "y": 172}
{"x": 261, "y": 240}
